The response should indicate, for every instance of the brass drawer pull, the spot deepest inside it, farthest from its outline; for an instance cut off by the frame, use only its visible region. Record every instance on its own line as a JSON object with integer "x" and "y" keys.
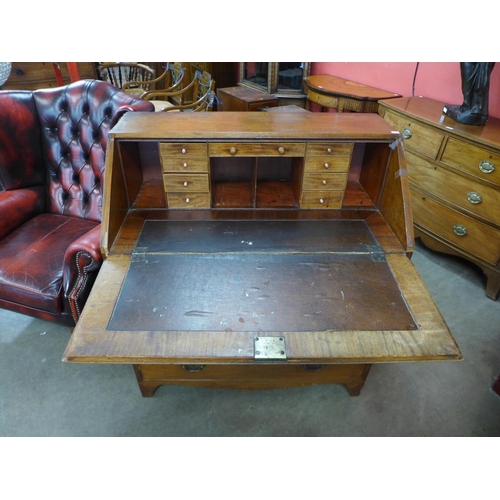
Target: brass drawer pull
{"x": 407, "y": 133}
{"x": 185, "y": 165}
{"x": 459, "y": 230}
{"x": 185, "y": 184}
{"x": 187, "y": 200}
{"x": 232, "y": 151}
{"x": 327, "y": 165}
{"x": 329, "y": 151}
{"x": 281, "y": 150}
{"x": 324, "y": 183}
{"x": 474, "y": 197}
{"x": 486, "y": 166}
{"x": 321, "y": 200}
{"x": 193, "y": 368}
{"x": 183, "y": 151}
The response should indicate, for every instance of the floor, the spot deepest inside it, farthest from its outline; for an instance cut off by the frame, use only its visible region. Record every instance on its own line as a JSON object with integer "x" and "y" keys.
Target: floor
{"x": 41, "y": 396}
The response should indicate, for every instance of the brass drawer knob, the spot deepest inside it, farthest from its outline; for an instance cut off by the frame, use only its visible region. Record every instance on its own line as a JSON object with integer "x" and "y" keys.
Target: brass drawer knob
{"x": 185, "y": 165}
{"x": 183, "y": 151}
{"x": 187, "y": 200}
{"x": 459, "y": 230}
{"x": 321, "y": 200}
{"x": 232, "y": 151}
{"x": 474, "y": 197}
{"x": 407, "y": 133}
{"x": 324, "y": 183}
{"x": 327, "y": 165}
{"x": 486, "y": 166}
{"x": 329, "y": 151}
{"x": 281, "y": 150}
{"x": 185, "y": 184}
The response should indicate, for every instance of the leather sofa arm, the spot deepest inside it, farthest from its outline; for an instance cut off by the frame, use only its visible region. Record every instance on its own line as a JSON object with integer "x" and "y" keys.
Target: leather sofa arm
{"x": 19, "y": 205}
{"x": 82, "y": 261}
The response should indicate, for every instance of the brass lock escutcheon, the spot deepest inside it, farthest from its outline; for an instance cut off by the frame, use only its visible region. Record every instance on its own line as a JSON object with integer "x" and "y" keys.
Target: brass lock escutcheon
{"x": 459, "y": 230}
{"x": 407, "y": 133}
{"x": 486, "y": 166}
{"x": 474, "y": 197}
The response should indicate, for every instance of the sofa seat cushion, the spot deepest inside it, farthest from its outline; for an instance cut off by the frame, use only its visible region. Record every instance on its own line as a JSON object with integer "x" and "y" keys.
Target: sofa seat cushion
{"x": 32, "y": 260}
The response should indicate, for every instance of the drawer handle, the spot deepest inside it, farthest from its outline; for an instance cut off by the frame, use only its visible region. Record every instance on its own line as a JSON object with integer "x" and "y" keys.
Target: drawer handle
{"x": 486, "y": 166}
{"x": 232, "y": 151}
{"x": 459, "y": 230}
{"x": 185, "y": 165}
{"x": 407, "y": 133}
{"x": 329, "y": 151}
{"x": 183, "y": 151}
{"x": 474, "y": 197}
{"x": 185, "y": 184}
{"x": 327, "y": 165}
{"x": 324, "y": 183}
{"x": 187, "y": 200}
{"x": 193, "y": 368}
{"x": 281, "y": 150}
{"x": 321, "y": 200}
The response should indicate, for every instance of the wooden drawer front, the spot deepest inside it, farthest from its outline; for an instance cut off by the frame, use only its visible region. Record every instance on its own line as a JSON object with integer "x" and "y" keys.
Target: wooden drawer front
{"x": 186, "y": 182}
{"x": 188, "y": 200}
{"x": 184, "y": 149}
{"x": 323, "y": 182}
{"x": 472, "y": 196}
{"x": 327, "y": 164}
{"x": 480, "y": 240}
{"x": 330, "y": 149}
{"x": 321, "y": 199}
{"x": 474, "y": 160}
{"x": 257, "y": 149}
{"x": 183, "y": 164}
{"x": 417, "y": 137}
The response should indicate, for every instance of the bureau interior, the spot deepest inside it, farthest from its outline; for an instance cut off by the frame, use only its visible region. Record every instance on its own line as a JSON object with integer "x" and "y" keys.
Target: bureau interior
{"x": 255, "y": 182}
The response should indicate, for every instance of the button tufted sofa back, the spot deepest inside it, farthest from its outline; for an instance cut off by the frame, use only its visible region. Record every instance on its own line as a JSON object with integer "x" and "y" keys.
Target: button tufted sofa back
{"x": 74, "y": 122}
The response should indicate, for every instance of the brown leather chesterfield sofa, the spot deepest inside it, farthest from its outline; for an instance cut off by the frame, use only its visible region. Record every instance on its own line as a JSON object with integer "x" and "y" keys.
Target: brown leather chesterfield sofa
{"x": 52, "y": 159}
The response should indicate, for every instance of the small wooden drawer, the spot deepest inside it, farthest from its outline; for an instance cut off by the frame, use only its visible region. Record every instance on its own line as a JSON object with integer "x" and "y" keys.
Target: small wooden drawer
{"x": 330, "y": 149}
{"x": 417, "y": 137}
{"x": 327, "y": 164}
{"x": 186, "y": 182}
{"x": 476, "y": 161}
{"x": 257, "y": 149}
{"x": 321, "y": 199}
{"x": 188, "y": 200}
{"x": 476, "y": 197}
{"x": 184, "y": 149}
{"x": 468, "y": 234}
{"x": 183, "y": 164}
{"x": 322, "y": 182}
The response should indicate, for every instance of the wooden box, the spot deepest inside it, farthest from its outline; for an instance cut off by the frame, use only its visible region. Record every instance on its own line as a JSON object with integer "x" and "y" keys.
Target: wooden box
{"x": 241, "y": 98}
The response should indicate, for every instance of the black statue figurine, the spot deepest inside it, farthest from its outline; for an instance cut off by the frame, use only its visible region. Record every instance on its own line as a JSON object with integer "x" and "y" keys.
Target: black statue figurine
{"x": 475, "y": 88}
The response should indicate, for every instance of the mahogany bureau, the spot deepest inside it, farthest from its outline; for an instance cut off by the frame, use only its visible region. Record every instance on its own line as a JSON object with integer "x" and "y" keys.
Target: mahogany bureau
{"x": 454, "y": 172}
{"x": 257, "y": 250}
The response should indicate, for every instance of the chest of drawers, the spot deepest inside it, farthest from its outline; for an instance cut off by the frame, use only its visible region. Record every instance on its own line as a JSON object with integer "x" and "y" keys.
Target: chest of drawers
{"x": 454, "y": 173}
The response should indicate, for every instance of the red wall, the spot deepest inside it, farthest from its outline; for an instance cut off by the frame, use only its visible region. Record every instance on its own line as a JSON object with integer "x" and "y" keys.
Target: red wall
{"x": 438, "y": 80}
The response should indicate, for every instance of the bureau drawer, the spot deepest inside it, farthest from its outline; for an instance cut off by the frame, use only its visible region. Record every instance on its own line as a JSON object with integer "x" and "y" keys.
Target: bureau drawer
{"x": 184, "y": 164}
{"x": 257, "y": 149}
{"x": 472, "y": 159}
{"x": 188, "y": 200}
{"x": 327, "y": 164}
{"x": 330, "y": 149}
{"x": 186, "y": 182}
{"x": 184, "y": 149}
{"x": 334, "y": 181}
{"x": 417, "y": 137}
{"x": 321, "y": 199}
{"x": 473, "y": 196}
{"x": 466, "y": 233}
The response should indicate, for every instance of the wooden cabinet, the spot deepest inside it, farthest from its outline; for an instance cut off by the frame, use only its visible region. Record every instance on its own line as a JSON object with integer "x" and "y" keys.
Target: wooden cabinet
{"x": 257, "y": 250}
{"x": 41, "y": 75}
{"x": 454, "y": 173}
{"x": 242, "y": 98}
